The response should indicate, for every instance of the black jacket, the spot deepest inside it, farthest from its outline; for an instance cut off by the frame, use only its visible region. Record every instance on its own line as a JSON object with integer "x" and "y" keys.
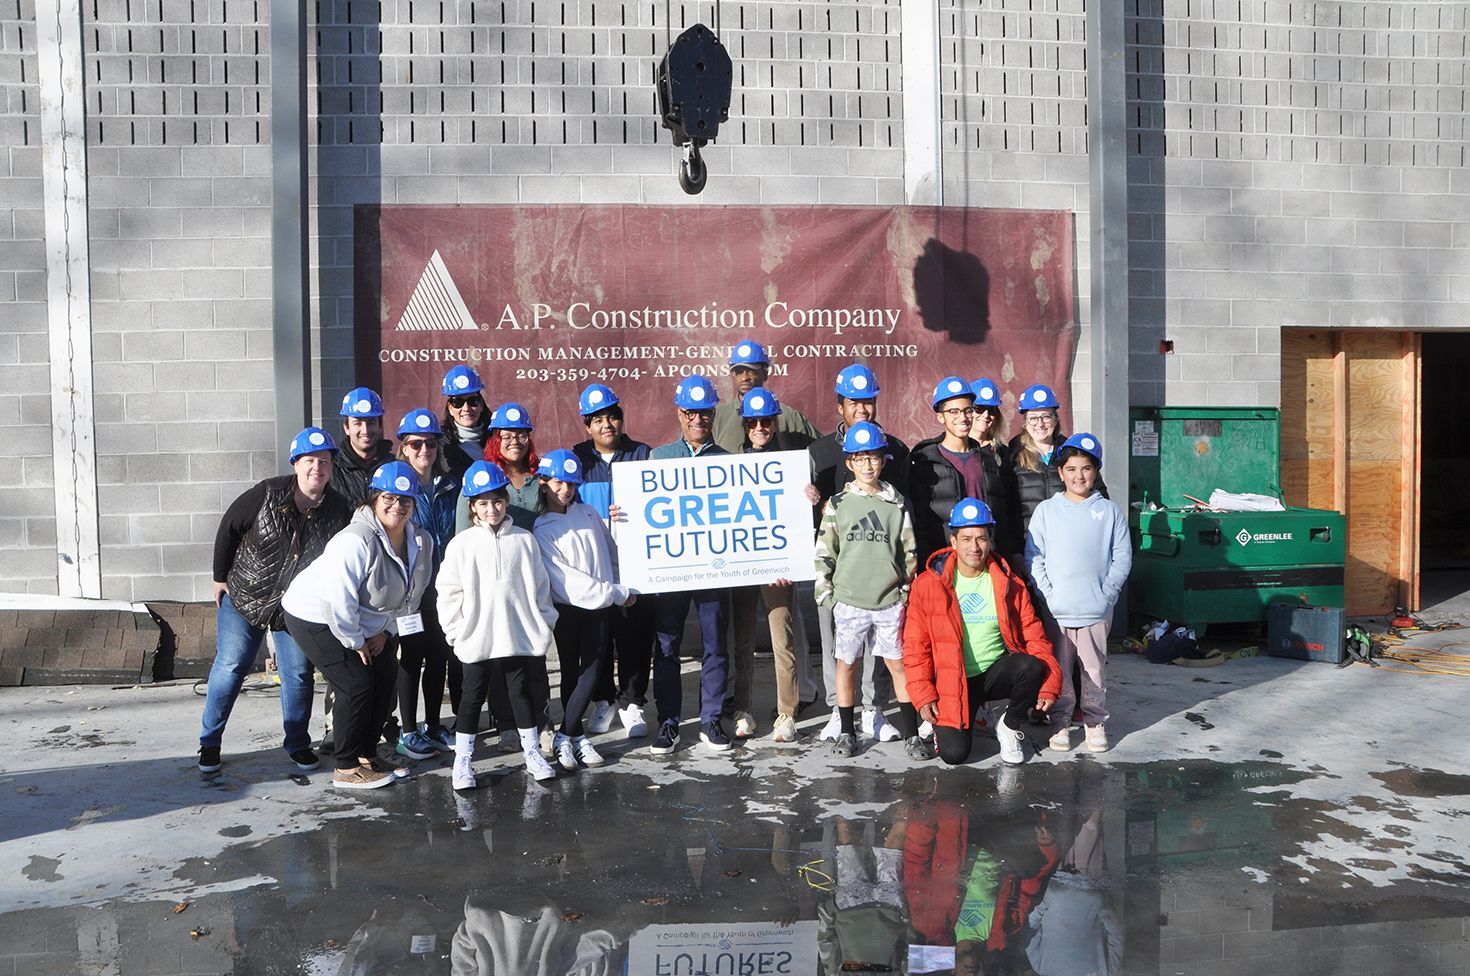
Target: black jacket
{"x": 936, "y": 486}
{"x": 351, "y": 473}
{"x": 830, "y": 474}
{"x": 264, "y": 540}
{"x": 1035, "y": 487}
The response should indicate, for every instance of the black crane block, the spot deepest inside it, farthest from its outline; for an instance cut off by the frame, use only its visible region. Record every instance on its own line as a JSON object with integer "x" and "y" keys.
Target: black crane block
{"x": 694, "y": 80}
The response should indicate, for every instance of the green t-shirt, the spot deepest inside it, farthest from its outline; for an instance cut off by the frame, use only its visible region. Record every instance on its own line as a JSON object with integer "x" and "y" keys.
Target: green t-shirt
{"x": 981, "y": 631}
{"x": 977, "y": 911}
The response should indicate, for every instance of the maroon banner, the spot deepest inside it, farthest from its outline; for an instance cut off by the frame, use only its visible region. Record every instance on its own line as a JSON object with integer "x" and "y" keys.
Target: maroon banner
{"x": 543, "y": 300}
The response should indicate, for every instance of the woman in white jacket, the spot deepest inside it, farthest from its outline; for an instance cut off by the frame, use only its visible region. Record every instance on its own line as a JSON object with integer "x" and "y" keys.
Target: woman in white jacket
{"x": 349, "y": 607}
{"x": 495, "y": 607}
{"x": 582, "y": 565}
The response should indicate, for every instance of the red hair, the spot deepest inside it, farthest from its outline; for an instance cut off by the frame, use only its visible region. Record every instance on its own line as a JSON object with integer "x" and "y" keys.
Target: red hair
{"x": 492, "y": 451}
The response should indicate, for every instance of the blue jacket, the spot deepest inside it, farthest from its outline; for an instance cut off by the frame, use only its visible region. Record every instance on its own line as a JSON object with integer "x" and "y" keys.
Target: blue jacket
{"x": 434, "y": 511}
{"x": 596, "y": 489}
{"x": 679, "y": 448}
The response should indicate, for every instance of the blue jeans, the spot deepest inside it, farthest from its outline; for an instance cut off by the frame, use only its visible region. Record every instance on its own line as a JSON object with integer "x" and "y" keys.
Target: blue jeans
{"x": 237, "y": 647}
{"x": 714, "y": 614}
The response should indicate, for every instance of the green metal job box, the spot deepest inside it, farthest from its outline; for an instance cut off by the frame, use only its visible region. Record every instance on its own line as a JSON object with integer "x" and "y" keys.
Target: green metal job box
{"x": 1201, "y": 567}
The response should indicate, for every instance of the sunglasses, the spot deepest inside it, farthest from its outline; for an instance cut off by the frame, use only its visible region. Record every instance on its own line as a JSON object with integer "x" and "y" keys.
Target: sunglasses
{"x": 465, "y": 401}
{"x": 421, "y": 445}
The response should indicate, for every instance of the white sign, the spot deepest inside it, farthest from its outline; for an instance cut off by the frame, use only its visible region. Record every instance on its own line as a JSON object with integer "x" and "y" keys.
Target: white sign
{"x": 1145, "y": 439}
{"x": 744, "y": 948}
{"x": 726, "y": 520}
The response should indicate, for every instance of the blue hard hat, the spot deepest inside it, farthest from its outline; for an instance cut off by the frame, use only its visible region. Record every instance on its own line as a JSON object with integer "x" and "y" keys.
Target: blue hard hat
{"x": 462, "y": 381}
{"x": 987, "y": 392}
{"x": 562, "y": 465}
{"x": 482, "y": 477}
{"x": 362, "y": 402}
{"x": 970, "y": 512}
{"x": 760, "y": 402}
{"x": 1037, "y": 397}
{"x": 309, "y": 441}
{"x": 863, "y": 436}
{"x": 511, "y": 416}
{"x": 595, "y": 399}
{"x": 695, "y": 393}
{"x": 749, "y": 353}
{"x": 419, "y": 421}
{"x": 396, "y": 478}
{"x": 1086, "y": 443}
{"x": 951, "y": 387}
{"x": 856, "y": 382}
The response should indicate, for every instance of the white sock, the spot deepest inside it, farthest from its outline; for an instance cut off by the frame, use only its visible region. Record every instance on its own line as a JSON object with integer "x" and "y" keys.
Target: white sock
{"x": 464, "y": 745}
{"x": 530, "y": 740}
{"x": 577, "y": 740}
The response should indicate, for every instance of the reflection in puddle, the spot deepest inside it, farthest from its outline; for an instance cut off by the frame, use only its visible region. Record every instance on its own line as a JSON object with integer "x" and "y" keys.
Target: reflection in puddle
{"x": 1057, "y": 868}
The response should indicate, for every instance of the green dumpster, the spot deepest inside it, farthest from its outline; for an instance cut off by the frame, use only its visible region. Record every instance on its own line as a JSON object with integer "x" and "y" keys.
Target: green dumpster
{"x": 1202, "y": 567}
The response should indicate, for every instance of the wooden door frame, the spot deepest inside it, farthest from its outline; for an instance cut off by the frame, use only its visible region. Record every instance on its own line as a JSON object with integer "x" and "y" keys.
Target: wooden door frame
{"x": 1409, "y": 516}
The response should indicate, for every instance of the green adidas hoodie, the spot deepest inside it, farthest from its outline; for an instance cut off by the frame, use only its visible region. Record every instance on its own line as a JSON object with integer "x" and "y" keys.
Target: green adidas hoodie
{"x": 865, "y": 551}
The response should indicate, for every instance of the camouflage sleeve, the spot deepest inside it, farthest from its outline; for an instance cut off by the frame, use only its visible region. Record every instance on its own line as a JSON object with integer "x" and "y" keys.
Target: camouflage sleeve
{"x": 826, "y": 552}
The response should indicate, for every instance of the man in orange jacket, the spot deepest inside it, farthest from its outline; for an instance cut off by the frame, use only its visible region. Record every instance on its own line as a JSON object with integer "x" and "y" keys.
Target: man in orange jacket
{"x": 971, "y": 636}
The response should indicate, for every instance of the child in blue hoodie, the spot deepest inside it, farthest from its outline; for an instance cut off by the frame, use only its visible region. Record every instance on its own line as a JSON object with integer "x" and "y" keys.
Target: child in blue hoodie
{"x": 1078, "y": 555}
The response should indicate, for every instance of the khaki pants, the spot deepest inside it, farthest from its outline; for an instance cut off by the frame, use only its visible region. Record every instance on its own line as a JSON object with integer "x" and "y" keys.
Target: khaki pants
{"x": 745, "y": 610}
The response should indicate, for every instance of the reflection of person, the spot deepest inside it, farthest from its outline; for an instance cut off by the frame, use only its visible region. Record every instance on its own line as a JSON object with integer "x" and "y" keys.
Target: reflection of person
{"x": 1078, "y": 554}
{"x": 268, "y": 535}
{"x": 490, "y": 942}
{"x": 632, "y": 626}
{"x": 346, "y": 610}
{"x": 582, "y": 567}
{"x": 760, "y": 411}
{"x": 495, "y": 607}
{"x": 971, "y": 636}
{"x": 865, "y": 919}
{"x": 856, "y": 388}
{"x": 695, "y": 399}
{"x": 1075, "y": 929}
{"x": 864, "y": 563}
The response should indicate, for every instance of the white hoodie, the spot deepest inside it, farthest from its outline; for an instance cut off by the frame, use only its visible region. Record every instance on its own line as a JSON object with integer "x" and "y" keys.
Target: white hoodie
{"x": 578, "y": 550}
{"x": 494, "y": 595}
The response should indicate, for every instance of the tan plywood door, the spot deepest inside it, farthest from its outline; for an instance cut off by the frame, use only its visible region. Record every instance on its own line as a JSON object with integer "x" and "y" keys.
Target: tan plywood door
{"x": 1349, "y": 441}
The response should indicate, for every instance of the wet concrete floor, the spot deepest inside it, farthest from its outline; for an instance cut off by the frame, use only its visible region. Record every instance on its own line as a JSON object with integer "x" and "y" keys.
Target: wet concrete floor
{"x": 1297, "y": 834}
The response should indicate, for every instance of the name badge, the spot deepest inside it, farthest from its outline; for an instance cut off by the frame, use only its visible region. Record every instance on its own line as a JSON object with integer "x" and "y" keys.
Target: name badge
{"x": 410, "y": 623}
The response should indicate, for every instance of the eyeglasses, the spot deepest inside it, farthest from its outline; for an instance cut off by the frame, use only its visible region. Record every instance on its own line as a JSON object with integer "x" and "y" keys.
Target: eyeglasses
{"x": 421, "y": 445}
{"x": 691, "y": 414}
{"x": 515, "y": 435}
{"x": 473, "y": 400}
{"x": 955, "y": 413}
{"x": 397, "y": 501}
{"x": 1041, "y": 420}
{"x": 865, "y": 461}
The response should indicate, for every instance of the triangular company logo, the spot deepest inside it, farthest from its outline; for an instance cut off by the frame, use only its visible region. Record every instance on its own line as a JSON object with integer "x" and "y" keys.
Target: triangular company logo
{"x": 436, "y": 304}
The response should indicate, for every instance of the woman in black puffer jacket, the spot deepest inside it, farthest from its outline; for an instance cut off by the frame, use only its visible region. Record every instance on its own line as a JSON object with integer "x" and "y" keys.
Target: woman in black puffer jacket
{"x": 1033, "y": 453}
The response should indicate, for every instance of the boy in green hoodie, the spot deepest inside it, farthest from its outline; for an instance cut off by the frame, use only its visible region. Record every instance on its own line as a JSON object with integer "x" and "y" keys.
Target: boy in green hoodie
{"x": 865, "y": 559}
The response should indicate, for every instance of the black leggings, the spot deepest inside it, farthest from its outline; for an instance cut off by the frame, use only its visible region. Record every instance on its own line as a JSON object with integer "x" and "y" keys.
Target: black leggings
{"x": 362, "y": 693}
{"x": 1015, "y": 677}
{"x": 524, "y": 681}
{"x": 581, "y": 641}
{"x": 427, "y": 652}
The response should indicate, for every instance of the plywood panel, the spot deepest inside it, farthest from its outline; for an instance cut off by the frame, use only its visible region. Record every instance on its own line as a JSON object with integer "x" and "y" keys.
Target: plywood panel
{"x": 1307, "y": 456}
{"x": 1375, "y": 397}
{"x": 1373, "y": 536}
{"x": 1308, "y": 484}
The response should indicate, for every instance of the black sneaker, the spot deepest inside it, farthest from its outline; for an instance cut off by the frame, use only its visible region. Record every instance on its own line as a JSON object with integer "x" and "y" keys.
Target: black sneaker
{"x": 918, "y": 748}
{"x": 668, "y": 739}
{"x": 209, "y": 759}
{"x": 305, "y": 759}
{"x": 712, "y": 734}
{"x": 846, "y": 746}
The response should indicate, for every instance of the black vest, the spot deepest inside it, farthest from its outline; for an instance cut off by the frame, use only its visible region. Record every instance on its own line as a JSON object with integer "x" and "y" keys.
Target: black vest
{"x": 282, "y": 542}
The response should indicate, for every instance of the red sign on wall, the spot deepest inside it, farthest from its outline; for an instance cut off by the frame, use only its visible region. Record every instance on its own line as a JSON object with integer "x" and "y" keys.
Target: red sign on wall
{"x": 542, "y": 300}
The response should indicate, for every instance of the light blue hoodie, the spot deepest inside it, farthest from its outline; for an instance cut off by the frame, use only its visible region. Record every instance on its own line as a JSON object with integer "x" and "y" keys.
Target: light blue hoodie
{"x": 1078, "y": 556}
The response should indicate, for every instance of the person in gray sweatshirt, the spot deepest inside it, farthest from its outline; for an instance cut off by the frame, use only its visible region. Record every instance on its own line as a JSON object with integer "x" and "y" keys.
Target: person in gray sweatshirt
{"x": 1078, "y": 556}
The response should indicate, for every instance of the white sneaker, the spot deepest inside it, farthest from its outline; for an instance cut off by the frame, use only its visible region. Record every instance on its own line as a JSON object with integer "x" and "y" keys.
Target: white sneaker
{"x": 1097, "y": 738}
{"x": 566, "y": 756}
{"x": 1010, "y": 741}
{"x": 464, "y": 773}
{"x": 833, "y": 728}
{"x": 744, "y": 725}
{"x": 538, "y": 767}
{"x": 633, "y": 720}
{"x": 601, "y": 718}
{"x": 1061, "y": 742}
{"x": 586, "y": 754}
{"x": 510, "y": 741}
{"x": 877, "y": 728}
{"x": 785, "y": 730}
{"x": 926, "y": 731}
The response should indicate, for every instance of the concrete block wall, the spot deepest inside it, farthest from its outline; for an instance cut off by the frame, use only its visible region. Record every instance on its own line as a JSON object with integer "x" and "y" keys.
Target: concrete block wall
{"x": 1293, "y": 165}
{"x": 179, "y": 210}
